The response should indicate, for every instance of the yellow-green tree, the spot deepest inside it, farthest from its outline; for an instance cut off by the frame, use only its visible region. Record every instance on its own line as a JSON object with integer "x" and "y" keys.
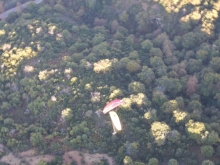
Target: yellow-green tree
{"x": 127, "y": 161}
{"x": 67, "y": 114}
{"x": 159, "y": 131}
{"x": 102, "y": 66}
{"x": 180, "y": 116}
{"x": 136, "y": 87}
{"x": 195, "y": 130}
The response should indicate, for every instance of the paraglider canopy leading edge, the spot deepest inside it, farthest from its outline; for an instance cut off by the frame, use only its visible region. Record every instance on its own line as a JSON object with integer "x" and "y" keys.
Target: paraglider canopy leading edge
{"x": 113, "y": 104}
{"x": 113, "y": 115}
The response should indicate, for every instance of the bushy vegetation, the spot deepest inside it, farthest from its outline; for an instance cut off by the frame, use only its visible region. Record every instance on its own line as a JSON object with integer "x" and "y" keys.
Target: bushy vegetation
{"x": 63, "y": 60}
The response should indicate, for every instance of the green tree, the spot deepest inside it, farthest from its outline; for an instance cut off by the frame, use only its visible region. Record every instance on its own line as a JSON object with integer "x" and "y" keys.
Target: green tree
{"x": 132, "y": 148}
{"x": 42, "y": 162}
{"x": 4, "y": 130}
{"x": 36, "y": 138}
{"x": 77, "y": 57}
{"x": 151, "y": 115}
{"x": 195, "y": 105}
{"x": 158, "y": 66}
{"x": 217, "y": 98}
{"x": 156, "y": 52}
{"x": 123, "y": 17}
{"x": 146, "y": 75}
{"x": 209, "y": 84}
{"x": 59, "y": 8}
{"x": 139, "y": 163}
{"x": 133, "y": 66}
{"x": 8, "y": 121}
{"x": 101, "y": 49}
{"x": 32, "y": 7}
{"x": 207, "y": 151}
{"x": 203, "y": 55}
{"x": 215, "y": 64}
{"x": 173, "y": 136}
{"x": 180, "y": 102}
{"x": 207, "y": 162}
{"x": 147, "y": 45}
{"x": 130, "y": 41}
{"x": 218, "y": 150}
{"x": 144, "y": 22}
{"x": 170, "y": 106}
{"x": 171, "y": 85}
{"x": 42, "y": 11}
{"x": 5, "y": 106}
{"x": 98, "y": 38}
{"x": 119, "y": 36}
{"x": 66, "y": 35}
{"x": 173, "y": 162}
{"x": 177, "y": 42}
{"x": 189, "y": 40}
{"x": 153, "y": 161}
{"x": 156, "y": 62}
{"x": 160, "y": 39}
{"x": 134, "y": 56}
{"x": 159, "y": 98}
{"x": 210, "y": 138}
{"x": 193, "y": 66}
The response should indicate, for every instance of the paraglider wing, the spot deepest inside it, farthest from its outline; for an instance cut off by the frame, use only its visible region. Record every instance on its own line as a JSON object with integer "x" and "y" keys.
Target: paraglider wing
{"x": 115, "y": 122}
{"x": 112, "y": 105}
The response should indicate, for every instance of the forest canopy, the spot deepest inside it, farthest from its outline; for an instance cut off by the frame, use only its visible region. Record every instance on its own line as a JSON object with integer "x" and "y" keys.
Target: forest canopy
{"x": 61, "y": 61}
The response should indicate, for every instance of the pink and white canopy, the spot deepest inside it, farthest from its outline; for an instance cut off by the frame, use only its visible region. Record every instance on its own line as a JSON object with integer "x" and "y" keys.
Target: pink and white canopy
{"x": 113, "y": 104}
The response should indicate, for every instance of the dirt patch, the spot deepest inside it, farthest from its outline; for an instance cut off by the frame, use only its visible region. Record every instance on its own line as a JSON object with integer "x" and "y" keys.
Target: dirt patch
{"x": 34, "y": 160}
{"x": 30, "y": 157}
{"x": 88, "y": 158}
{"x": 2, "y": 148}
{"x": 27, "y": 153}
{"x": 72, "y": 155}
{"x": 11, "y": 159}
{"x": 96, "y": 157}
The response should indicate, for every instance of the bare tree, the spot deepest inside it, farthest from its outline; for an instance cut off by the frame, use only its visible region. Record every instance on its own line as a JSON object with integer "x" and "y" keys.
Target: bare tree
{"x": 191, "y": 85}
{"x": 100, "y": 22}
{"x": 114, "y": 25}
